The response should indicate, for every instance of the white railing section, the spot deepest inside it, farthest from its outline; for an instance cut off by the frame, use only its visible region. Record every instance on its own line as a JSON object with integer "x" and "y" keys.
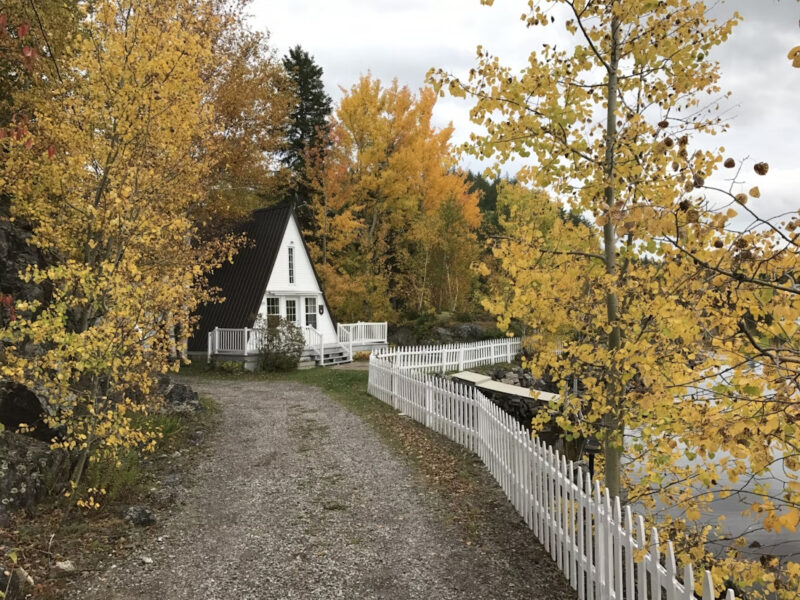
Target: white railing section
{"x": 247, "y": 341}
{"x": 314, "y": 341}
{"x": 453, "y": 357}
{"x": 346, "y": 341}
{"x": 601, "y": 548}
{"x": 362, "y": 333}
{"x": 229, "y": 341}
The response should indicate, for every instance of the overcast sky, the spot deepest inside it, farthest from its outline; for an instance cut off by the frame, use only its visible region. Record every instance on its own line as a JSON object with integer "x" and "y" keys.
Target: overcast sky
{"x": 404, "y": 38}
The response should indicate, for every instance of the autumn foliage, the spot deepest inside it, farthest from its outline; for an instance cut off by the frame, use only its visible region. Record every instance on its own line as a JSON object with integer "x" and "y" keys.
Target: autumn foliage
{"x": 393, "y": 222}
{"x": 121, "y": 144}
{"x": 676, "y": 304}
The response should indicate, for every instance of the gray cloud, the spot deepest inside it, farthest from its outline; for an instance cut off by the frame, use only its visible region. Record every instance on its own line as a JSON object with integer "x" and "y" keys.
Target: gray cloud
{"x": 404, "y": 38}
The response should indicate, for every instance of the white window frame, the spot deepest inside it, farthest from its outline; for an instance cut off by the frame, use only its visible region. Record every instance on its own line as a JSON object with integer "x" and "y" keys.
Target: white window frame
{"x": 273, "y": 302}
{"x": 291, "y": 264}
{"x": 272, "y": 310}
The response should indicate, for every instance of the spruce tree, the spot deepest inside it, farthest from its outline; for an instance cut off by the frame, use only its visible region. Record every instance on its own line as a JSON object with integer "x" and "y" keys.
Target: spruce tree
{"x": 308, "y": 125}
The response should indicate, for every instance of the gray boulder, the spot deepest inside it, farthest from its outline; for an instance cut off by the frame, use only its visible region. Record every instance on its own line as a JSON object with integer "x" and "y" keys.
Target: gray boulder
{"x": 442, "y": 334}
{"x": 141, "y": 516}
{"x": 467, "y": 332}
{"x": 180, "y": 398}
{"x": 29, "y": 470}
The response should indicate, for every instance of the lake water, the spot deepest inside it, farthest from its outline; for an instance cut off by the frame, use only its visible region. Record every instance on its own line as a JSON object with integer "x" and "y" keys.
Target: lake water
{"x": 759, "y": 542}
{"x": 785, "y": 544}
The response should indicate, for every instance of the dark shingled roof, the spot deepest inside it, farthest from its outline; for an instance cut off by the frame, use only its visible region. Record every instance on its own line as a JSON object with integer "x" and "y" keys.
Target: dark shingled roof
{"x": 244, "y": 282}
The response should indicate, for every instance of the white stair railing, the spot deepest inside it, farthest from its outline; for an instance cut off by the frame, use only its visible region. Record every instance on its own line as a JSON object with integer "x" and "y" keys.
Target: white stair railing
{"x": 346, "y": 341}
{"x": 315, "y": 341}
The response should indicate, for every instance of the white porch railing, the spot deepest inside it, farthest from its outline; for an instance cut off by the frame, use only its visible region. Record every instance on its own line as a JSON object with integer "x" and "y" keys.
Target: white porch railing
{"x": 247, "y": 341}
{"x": 601, "y": 548}
{"x": 362, "y": 333}
{"x": 346, "y": 341}
{"x": 233, "y": 342}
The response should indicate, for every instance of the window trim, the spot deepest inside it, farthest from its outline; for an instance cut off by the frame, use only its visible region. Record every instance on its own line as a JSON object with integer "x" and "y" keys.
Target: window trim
{"x": 273, "y": 302}
{"x": 311, "y": 313}
{"x": 291, "y": 264}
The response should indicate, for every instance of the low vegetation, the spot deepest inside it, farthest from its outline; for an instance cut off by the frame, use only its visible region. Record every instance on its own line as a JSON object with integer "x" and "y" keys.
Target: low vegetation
{"x": 56, "y": 531}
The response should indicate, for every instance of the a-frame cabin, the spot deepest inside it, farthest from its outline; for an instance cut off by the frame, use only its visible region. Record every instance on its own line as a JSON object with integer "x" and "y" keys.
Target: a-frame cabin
{"x": 274, "y": 275}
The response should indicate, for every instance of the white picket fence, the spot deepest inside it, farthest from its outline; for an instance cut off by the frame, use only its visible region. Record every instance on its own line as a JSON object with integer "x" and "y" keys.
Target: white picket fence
{"x": 453, "y": 357}
{"x": 601, "y": 547}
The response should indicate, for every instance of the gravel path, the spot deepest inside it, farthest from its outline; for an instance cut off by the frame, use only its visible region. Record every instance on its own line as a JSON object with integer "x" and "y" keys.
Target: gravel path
{"x": 299, "y": 498}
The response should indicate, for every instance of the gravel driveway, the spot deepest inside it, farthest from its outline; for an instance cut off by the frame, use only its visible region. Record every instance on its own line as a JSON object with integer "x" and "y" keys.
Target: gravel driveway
{"x": 298, "y": 498}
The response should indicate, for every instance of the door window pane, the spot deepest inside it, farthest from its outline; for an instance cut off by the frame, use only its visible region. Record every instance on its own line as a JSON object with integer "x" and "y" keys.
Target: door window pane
{"x": 311, "y": 312}
{"x": 291, "y": 311}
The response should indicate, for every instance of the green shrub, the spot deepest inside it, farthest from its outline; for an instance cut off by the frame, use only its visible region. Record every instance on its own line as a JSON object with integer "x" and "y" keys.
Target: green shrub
{"x": 282, "y": 344}
{"x": 119, "y": 476}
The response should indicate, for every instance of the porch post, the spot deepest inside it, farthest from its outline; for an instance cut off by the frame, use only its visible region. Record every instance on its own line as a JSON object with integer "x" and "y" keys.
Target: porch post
{"x": 216, "y": 340}
{"x": 245, "y": 341}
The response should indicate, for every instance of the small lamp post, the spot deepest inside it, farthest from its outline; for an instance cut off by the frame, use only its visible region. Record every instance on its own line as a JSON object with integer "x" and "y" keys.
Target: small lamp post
{"x": 591, "y": 447}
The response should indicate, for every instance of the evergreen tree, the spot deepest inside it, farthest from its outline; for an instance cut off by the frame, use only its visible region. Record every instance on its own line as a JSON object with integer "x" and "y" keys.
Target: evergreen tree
{"x": 308, "y": 126}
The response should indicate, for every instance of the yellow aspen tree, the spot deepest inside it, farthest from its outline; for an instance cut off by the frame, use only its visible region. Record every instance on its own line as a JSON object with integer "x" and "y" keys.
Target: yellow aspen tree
{"x": 383, "y": 191}
{"x": 252, "y": 99}
{"x": 680, "y": 325}
{"x": 106, "y": 179}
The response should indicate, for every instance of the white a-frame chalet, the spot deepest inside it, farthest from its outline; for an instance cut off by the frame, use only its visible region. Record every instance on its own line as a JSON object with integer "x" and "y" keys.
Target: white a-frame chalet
{"x": 273, "y": 275}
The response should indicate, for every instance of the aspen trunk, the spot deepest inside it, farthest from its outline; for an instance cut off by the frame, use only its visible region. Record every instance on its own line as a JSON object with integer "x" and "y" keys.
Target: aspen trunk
{"x": 612, "y": 422}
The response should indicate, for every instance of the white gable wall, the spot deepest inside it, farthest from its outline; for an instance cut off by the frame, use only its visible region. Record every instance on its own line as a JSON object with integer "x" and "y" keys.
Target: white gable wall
{"x": 305, "y": 283}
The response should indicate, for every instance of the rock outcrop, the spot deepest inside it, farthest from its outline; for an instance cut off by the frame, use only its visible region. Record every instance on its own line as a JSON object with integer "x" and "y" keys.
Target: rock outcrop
{"x": 29, "y": 470}
{"x": 18, "y": 406}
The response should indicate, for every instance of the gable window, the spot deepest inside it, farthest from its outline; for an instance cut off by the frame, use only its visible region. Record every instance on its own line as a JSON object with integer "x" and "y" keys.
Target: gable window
{"x": 291, "y": 264}
{"x": 273, "y": 311}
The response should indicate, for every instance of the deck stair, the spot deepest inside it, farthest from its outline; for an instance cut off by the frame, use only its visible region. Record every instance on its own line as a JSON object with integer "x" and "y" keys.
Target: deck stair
{"x": 332, "y": 354}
